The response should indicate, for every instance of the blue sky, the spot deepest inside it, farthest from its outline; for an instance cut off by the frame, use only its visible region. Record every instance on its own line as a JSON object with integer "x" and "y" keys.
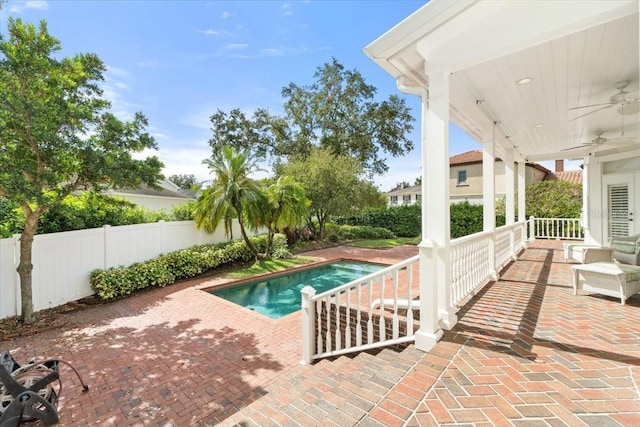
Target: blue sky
{"x": 180, "y": 61}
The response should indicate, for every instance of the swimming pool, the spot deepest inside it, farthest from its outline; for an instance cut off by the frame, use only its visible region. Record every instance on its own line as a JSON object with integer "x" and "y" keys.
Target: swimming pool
{"x": 280, "y": 295}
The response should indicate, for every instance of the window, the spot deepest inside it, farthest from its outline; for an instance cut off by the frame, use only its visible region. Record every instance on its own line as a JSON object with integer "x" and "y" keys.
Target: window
{"x": 406, "y": 199}
{"x": 393, "y": 200}
{"x": 462, "y": 177}
{"x": 418, "y": 197}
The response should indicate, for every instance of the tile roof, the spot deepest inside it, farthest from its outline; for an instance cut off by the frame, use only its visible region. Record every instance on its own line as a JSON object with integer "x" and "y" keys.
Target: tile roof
{"x": 574, "y": 177}
{"x": 473, "y": 156}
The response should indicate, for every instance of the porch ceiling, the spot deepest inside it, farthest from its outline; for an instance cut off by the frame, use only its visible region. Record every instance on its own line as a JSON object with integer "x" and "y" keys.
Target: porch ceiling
{"x": 574, "y": 52}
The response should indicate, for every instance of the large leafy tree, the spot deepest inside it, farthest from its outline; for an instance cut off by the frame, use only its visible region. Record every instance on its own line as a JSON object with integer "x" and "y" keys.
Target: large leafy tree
{"x": 233, "y": 193}
{"x": 330, "y": 181}
{"x": 337, "y": 112}
{"x": 286, "y": 206}
{"x": 56, "y": 135}
{"x": 184, "y": 181}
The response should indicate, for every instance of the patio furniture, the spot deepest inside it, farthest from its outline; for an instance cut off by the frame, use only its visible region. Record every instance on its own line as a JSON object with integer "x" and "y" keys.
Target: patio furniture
{"x": 27, "y": 392}
{"x": 587, "y": 254}
{"x": 626, "y": 249}
{"x": 607, "y": 278}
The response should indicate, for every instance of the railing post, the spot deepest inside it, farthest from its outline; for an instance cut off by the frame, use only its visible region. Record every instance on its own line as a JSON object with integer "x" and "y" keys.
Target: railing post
{"x": 532, "y": 228}
{"x": 430, "y": 332}
{"x": 308, "y": 324}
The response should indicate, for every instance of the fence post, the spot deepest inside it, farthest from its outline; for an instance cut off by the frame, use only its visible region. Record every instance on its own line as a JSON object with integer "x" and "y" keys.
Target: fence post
{"x": 107, "y": 260}
{"x": 308, "y": 324}
{"x": 162, "y": 231}
{"x": 16, "y": 276}
{"x": 532, "y": 228}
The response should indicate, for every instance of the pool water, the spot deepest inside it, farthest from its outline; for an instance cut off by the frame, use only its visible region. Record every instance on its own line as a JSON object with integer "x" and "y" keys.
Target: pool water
{"x": 278, "y": 296}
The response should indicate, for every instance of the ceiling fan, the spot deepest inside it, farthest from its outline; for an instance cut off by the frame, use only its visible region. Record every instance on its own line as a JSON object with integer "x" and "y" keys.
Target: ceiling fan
{"x": 601, "y": 140}
{"x": 626, "y": 103}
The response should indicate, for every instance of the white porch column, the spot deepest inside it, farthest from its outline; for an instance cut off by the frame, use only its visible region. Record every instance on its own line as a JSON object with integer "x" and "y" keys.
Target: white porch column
{"x": 430, "y": 332}
{"x": 586, "y": 216}
{"x": 522, "y": 192}
{"x": 436, "y": 172}
{"x": 509, "y": 189}
{"x": 489, "y": 197}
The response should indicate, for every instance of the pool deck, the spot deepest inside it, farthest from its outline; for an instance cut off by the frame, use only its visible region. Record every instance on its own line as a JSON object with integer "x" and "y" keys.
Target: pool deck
{"x": 525, "y": 352}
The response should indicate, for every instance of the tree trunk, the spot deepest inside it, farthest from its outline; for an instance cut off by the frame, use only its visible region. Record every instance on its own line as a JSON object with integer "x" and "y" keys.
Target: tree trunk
{"x": 25, "y": 267}
{"x": 250, "y": 245}
{"x": 270, "y": 234}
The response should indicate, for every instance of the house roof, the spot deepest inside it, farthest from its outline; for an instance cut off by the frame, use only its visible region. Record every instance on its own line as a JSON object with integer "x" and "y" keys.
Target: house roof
{"x": 574, "y": 177}
{"x": 413, "y": 189}
{"x": 475, "y": 156}
{"x": 145, "y": 190}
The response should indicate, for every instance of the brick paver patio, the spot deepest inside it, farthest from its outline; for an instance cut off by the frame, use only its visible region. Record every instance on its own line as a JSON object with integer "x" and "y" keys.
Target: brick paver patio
{"x": 525, "y": 352}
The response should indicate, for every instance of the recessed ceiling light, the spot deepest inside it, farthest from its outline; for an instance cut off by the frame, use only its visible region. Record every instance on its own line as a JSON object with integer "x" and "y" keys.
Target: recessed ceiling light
{"x": 538, "y": 125}
{"x": 524, "y": 81}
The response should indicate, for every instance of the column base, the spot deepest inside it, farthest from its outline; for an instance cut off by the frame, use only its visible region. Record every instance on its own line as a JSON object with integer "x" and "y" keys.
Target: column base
{"x": 447, "y": 320}
{"x": 426, "y": 341}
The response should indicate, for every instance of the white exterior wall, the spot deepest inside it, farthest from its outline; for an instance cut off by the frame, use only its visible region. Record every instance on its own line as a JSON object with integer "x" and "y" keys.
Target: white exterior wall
{"x": 63, "y": 261}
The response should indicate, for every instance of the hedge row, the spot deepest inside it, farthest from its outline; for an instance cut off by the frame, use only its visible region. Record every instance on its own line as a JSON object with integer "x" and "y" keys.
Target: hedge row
{"x": 182, "y": 264}
{"x": 403, "y": 221}
{"x": 349, "y": 232}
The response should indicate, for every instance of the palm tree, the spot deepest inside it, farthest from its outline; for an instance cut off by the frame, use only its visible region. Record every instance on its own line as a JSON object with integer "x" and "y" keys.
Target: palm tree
{"x": 286, "y": 206}
{"x": 231, "y": 194}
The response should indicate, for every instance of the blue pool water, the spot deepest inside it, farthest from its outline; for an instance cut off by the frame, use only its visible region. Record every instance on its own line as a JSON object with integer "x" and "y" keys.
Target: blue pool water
{"x": 278, "y": 296}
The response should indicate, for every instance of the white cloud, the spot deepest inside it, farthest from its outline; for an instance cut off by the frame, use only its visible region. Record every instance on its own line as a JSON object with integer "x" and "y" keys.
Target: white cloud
{"x": 286, "y": 10}
{"x": 19, "y": 6}
{"x": 234, "y": 46}
{"x": 272, "y": 52}
{"x": 112, "y": 90}
{"x": 209, "y": 32}
{"x": 227, "y": 15}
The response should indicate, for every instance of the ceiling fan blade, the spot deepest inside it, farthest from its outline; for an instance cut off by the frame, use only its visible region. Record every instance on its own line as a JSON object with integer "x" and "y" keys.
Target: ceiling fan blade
{"x": 591, "y": 112}
{"x": 577, "y": 147}
{"x": 592, "y": 105}
{"x": 619, "y": 141}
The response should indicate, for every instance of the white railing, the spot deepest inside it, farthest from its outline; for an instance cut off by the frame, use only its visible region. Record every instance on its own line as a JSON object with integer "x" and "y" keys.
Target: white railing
{"x": 379, "y": 310}
{"x": 469, "y": 264}
{"x": 555, "y": 228}
{"x": 62, "y": 262}
{"x": 374, "y": 311}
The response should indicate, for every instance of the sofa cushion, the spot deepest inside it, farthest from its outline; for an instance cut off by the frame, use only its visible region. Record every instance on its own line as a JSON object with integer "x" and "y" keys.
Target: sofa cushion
{"x": 625, "y": 247}
{"x": 631, "y": 272}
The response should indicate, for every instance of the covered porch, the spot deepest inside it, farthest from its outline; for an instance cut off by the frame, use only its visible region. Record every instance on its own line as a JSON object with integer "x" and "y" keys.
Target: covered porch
{"x": 525, "y": 351}
{"x": 531, "y": 82}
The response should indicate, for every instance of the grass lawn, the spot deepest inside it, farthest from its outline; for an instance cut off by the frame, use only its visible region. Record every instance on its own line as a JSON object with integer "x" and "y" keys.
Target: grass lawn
{"x": 268, "y": 266}
{"x": 385, "y": 243}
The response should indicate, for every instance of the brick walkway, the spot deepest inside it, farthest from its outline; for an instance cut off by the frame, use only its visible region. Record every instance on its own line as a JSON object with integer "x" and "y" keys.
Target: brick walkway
{"x": 525, "y": 352}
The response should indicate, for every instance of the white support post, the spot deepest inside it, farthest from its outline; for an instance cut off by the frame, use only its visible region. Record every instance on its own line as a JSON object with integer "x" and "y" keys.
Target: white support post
{"x": 308, "y": 324}
{"x": 438, "y": 224}
{"x": 16, "y": 263}
{"x": 489, "y": 197}
{"x": 522, "y": 191}
{"x": 429, "y": 333}
{"x": 522, "y": 169}
{"x": 532, "y": 228}
{"x": 509, "y": 185}
{"x": 585, "y": 218}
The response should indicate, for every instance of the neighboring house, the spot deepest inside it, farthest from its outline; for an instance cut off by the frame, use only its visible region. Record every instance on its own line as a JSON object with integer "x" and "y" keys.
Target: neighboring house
{"x": 164, "y": 198}
{"x": 465, "y": 179}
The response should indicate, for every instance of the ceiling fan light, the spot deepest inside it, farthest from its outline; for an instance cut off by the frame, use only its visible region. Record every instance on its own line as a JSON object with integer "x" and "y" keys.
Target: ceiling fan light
{"x": 524, "y": 81}
{"x": 538, "y": 125}
{"x": 629, "y": 109}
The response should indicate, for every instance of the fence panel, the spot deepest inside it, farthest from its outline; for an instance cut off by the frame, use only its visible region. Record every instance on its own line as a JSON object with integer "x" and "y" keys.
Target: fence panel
{"x": 8, "y": 279}
{"x": 63, "y": 261}
{"x": 61, "y": 266}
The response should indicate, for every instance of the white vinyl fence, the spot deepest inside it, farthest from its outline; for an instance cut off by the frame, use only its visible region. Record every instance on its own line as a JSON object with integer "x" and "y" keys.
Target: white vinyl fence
{"x": 62, "y": 262}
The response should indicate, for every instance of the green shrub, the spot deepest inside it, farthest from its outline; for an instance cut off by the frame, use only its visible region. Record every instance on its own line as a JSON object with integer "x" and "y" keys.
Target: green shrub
{"x": 281, "y": 253}
{"x": 402, "y": 221}
{"x": 181, "y": 264}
